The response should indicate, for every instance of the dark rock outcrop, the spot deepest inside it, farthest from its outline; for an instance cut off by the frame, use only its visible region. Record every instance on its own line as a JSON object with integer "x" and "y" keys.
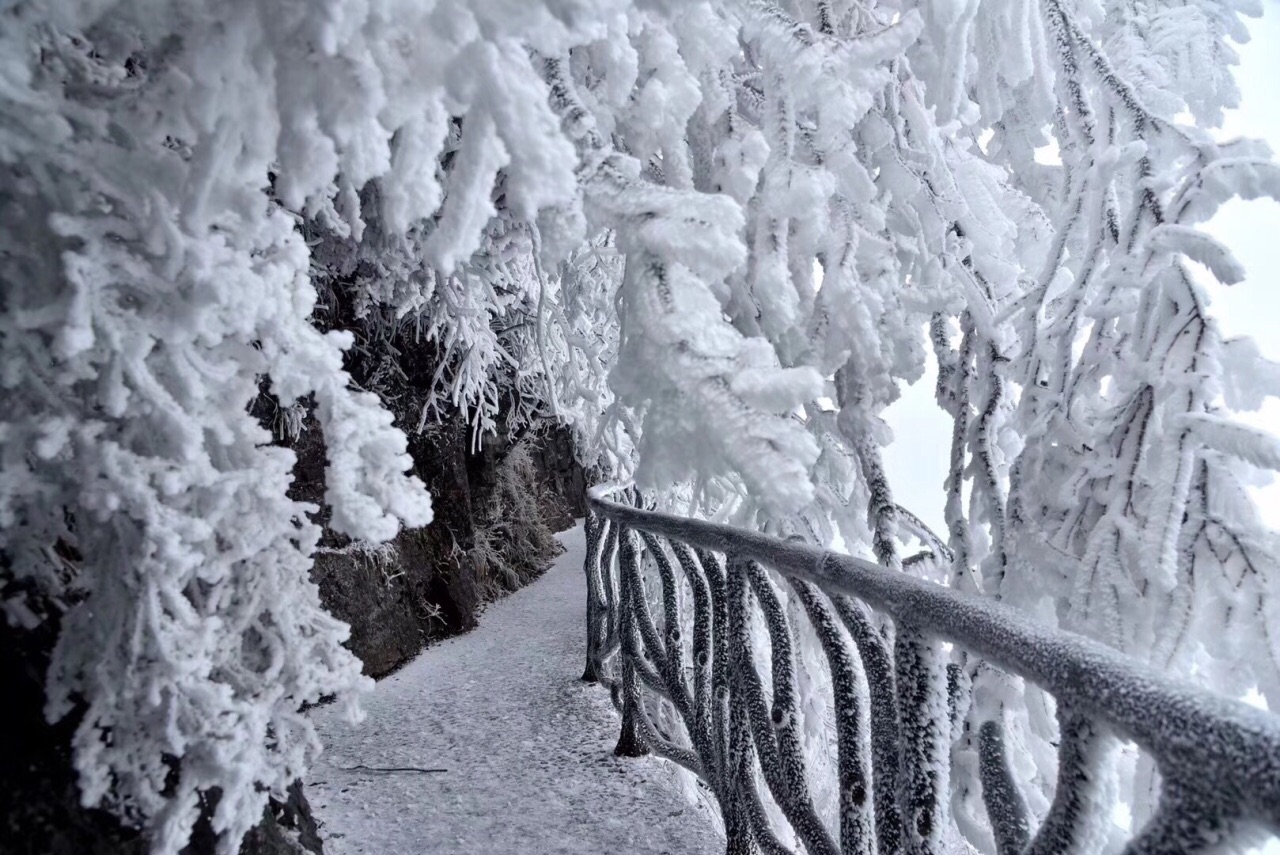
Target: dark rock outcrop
{"x": 495, "y": 510}
{"x": 495, "y": 507}
{"x": 562, "y": 475}
{"x": 423, "y": 584}
{"x": 430, "y": 583}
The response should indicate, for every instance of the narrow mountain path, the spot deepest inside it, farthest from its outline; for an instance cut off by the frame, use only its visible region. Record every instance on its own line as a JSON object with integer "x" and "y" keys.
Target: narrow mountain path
{"x": 527, "y": 748}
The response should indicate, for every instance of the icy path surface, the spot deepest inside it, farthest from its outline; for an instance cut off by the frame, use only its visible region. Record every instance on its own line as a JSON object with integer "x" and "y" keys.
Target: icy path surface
{"x": 528, "y": 748}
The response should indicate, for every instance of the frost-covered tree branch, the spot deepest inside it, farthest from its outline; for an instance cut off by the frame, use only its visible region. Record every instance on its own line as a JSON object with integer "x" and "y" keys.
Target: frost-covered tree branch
{"x": 708, "y": 237}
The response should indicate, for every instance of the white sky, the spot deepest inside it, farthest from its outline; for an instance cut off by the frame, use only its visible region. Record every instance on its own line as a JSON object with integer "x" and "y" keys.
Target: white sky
{"x": 917, "y": 459}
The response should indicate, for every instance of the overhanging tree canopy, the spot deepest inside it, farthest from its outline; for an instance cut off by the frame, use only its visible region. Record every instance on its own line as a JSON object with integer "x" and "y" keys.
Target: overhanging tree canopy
{"x": 708, "y": 235}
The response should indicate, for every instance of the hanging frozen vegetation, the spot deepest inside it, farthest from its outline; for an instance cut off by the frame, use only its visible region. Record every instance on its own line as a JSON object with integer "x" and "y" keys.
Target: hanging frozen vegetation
{"x": 708, "y": 236}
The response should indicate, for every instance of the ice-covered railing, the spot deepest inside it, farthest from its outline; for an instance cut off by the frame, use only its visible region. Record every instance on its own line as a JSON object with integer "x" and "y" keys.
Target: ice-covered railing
{"x": 703, "y": 703}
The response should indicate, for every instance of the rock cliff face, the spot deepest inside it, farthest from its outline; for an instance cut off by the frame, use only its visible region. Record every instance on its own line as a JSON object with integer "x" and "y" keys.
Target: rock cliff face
{"x": 398, "y": 596}
{"x": 495, "y": 505}
{"x": 429, "y": 583}
{"x": 495, "y": 508}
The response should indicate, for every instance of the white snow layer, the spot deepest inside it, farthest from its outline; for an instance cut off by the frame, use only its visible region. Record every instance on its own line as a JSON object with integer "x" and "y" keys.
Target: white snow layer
{"x": 528, "y": 748}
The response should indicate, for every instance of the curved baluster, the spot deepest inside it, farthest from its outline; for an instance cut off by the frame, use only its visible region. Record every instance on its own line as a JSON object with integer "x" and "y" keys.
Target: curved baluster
{"x": 663, "y": 747}
{"x": 1188, "y": 819}
{"x": 739, "y": 791}
{"x": 696, "y": 709}
{"x": 924, "y": 727}
{"x": 630, "y": 741}
{"x": 959, "y": 697}
{"x": 667, "y": 652}
{"x": 1005, "y": 806}
{"x": 666, "y": 681}
{"x": 765, "y": 839}
{"x": 721, "y": 658}
{"x": 857, "y": 818}
{"x": 746, "y": 823}
{"x": 882, "y": 688}
{"x": 596, "y": 527}
{"x": 776, "y": 731}
{"x": 704, "y": 731}
{"x": 671, "y": 636}
{"x": 747, "y": 828}
{"x": 1076, "y": 823}
{"x": 651, "y": 679}
{"x": 609, "y": 562}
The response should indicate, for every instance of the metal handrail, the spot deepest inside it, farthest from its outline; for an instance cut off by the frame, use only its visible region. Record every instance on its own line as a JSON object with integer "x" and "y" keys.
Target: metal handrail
{"x": 1219, "y": 759}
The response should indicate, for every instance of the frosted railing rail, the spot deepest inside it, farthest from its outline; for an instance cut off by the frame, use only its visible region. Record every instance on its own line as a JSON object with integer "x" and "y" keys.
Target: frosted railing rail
{"x": 1219, "y": 760}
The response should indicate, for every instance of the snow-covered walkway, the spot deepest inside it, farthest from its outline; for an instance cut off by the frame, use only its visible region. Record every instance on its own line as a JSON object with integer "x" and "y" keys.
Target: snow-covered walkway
{"x": 528, "y": 748}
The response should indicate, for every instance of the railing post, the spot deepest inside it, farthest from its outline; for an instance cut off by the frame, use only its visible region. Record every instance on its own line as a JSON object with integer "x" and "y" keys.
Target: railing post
{"x": 720, "y": 654}
{"x": 923, "y": 787}
{"x": 704, "y": 736}
{"x": 854, "y": 777}
{"x": 1005, "y": 806}
{"x": 1187, "y": 820}
{"x": 740, "y": 756}
{"x": 739, "y": 839}
{"x": 609, "y": 587}
{"x": 591, "y": 566}
{"x": 776, "y": 728}
{"x": 1073, "y": 826}
{"x": 630, "y": 741}
{"x": 877, "y": 662}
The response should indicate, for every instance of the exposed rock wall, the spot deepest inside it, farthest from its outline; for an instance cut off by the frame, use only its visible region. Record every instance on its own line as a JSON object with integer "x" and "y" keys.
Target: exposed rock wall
{"x": 486, "y": 538}
{"x": 430, "y": 583}
{"x": 423, "y": 584}
{"x": 561, "y": 476}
